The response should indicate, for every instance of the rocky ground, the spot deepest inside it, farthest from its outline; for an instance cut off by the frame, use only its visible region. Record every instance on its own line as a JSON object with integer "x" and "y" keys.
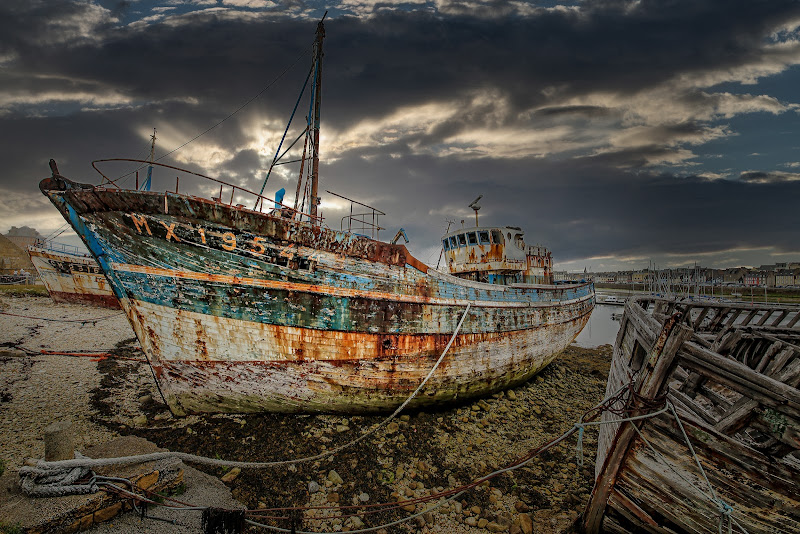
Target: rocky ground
{"x": 416, "y": 456}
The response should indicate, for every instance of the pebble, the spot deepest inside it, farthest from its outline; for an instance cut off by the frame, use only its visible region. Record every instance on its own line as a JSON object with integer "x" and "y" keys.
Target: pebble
{"x": 231, "y": 475}
{"x": 334, "y": 478}
{"x": 141, "y": 420}
{"x": 521, "y": 507}
{"x": 481, "y": 426}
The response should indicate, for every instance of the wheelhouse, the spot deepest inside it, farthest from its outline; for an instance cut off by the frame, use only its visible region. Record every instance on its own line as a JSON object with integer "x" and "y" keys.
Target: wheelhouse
{"x": 496, "y": 255}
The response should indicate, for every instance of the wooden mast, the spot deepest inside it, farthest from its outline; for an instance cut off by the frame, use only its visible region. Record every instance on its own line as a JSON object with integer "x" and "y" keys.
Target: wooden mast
{"x": 317, "y": 99}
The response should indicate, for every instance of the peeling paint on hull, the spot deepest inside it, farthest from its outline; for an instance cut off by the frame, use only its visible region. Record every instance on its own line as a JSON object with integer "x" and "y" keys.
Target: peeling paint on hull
{"x": 239, "y": 311}
{"x": 72, "y": 279}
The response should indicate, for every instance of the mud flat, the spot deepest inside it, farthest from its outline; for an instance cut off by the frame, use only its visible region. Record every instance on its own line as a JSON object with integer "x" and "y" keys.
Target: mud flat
{"x": 414, "y": 456}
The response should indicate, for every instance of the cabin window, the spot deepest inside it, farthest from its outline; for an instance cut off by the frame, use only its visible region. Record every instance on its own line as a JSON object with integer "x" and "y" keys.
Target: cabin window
{"x": 445, "y": 245}
{"x": 453, "y": 243}
{"x": 483, "y": 237}
{"x": 473, "y": 238}
{"x": 462, "y": 240}
{"x": 497, "y": 237}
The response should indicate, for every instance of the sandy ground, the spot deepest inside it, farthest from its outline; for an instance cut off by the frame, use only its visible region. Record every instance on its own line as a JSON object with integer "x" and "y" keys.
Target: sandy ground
{"x": 37, "y": 390}
{"x": 418, "y": 455}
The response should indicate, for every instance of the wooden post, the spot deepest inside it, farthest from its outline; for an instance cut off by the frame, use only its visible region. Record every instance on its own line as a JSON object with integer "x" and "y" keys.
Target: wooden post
{"x": 59, "y": 442}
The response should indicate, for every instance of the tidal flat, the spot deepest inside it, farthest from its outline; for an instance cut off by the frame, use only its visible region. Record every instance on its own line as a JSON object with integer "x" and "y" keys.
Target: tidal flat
{"x": 82, "y": 364}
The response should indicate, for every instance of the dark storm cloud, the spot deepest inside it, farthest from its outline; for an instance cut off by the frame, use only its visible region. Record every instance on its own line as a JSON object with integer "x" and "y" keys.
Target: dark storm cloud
{"x": 399, "y": 57}
{"x": 774, "y": 177}
{"x": 557, "y": 205}
{"x": 191, "y": 70}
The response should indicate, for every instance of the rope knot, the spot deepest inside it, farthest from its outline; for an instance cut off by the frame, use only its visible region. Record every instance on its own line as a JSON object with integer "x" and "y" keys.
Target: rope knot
{"x": 47, "y": 481}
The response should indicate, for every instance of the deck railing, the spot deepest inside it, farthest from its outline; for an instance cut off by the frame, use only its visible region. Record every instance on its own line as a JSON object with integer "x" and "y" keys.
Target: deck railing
{"x": 260, "y": 201}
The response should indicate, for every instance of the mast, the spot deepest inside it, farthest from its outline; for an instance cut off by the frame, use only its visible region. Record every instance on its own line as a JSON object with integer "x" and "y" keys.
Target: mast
{"x": 146, "y": 186}
{"x": 317, "y": 100}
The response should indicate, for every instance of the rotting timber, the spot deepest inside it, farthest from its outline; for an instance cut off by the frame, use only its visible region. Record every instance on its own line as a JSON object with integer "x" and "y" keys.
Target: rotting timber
{"x": 731, "y": 373}
{"x": 71, "y": 277}
{"x": 243, "y": 310}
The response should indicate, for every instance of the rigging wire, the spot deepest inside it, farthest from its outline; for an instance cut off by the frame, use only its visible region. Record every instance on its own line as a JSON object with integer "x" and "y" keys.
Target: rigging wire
{"x": 237, "y": 110}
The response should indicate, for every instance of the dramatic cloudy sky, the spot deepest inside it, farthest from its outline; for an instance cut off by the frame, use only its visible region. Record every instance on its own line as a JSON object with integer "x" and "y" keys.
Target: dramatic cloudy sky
{"x": 614, "y": 132}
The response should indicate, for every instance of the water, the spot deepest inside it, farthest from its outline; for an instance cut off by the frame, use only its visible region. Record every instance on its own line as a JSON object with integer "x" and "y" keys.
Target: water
{"x": 601, "y": 328}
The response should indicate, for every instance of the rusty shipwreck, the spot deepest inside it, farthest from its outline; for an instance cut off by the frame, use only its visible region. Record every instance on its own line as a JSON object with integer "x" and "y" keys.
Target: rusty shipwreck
{"x": 70, "y": 276}
{"x": 266, "y": 308}
{"x": 721, "y": 452}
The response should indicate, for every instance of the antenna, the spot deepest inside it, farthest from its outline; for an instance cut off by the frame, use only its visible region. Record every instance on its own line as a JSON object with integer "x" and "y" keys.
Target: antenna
{"x": 474, "y": 205}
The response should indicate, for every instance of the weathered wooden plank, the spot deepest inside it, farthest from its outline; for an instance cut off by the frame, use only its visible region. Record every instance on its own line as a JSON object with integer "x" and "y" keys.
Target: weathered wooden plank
{"x": 781, "y": 316}
{"x": 688, "y": 404}
{"x": 749, "y": 317}
{"x": 767, "y": 314}
{"x": 699, "y": 320}
{"x": 630, "y": 511}
{"x": 662, "y": 352}
{"x": 740, "y": 377}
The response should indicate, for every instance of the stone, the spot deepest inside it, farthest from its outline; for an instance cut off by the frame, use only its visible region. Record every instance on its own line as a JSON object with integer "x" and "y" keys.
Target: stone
{"x": 334, "y": 477}
{"x": 409, "y": 507}
{"x": 363, "y": 497}
{"x": 471, "y": 521}
{"x": 521, "y": 507}
{"x": 59, "y": 441}
{"x": 333, "y": 497}
{"x": 525, "y": 524}
{"x": 356, "y": 522}
{"x": 392, "y": 427}
{"x": 107, "y": 513}
{"x": 511, "y": 395}
{"x": 475, "y": 510}
{"x": 141, "y": 420}
{"x": 496, "y": 527}
{"x": 148, "y": 481}
{"x": 313, "y": 487}
{"x": 482, "y": 522}
{"x": 231, "y": 475}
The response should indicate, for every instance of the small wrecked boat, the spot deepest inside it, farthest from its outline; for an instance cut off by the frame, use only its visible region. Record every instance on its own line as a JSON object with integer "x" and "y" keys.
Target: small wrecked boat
{"x": 703, "y": 433}
{"x": 70, "y": 276}
{"x": 268, "y": 309}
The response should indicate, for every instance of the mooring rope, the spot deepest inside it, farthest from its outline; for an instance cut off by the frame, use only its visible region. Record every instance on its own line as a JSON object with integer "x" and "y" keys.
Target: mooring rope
{"x": 725, "y": 510}
{"x": 52, "y": 470}
{"x": 443, "y": 497}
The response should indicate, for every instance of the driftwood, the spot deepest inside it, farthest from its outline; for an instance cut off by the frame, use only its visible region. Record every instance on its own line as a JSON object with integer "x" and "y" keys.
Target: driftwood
{"x": 731, "y": 373}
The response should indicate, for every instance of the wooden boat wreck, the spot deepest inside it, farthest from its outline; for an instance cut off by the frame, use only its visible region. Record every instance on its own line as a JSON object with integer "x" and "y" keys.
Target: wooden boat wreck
{"x": 723, "y": 452}
{"x": 242, "y": 310}
{"x": 70, "y": 276}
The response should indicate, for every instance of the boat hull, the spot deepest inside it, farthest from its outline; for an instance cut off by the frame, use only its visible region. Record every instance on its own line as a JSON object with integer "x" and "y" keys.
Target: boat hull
{"x": 72, "y": 279}
{"x": 732, "y": 382}
{"x": 239, "y": 311}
